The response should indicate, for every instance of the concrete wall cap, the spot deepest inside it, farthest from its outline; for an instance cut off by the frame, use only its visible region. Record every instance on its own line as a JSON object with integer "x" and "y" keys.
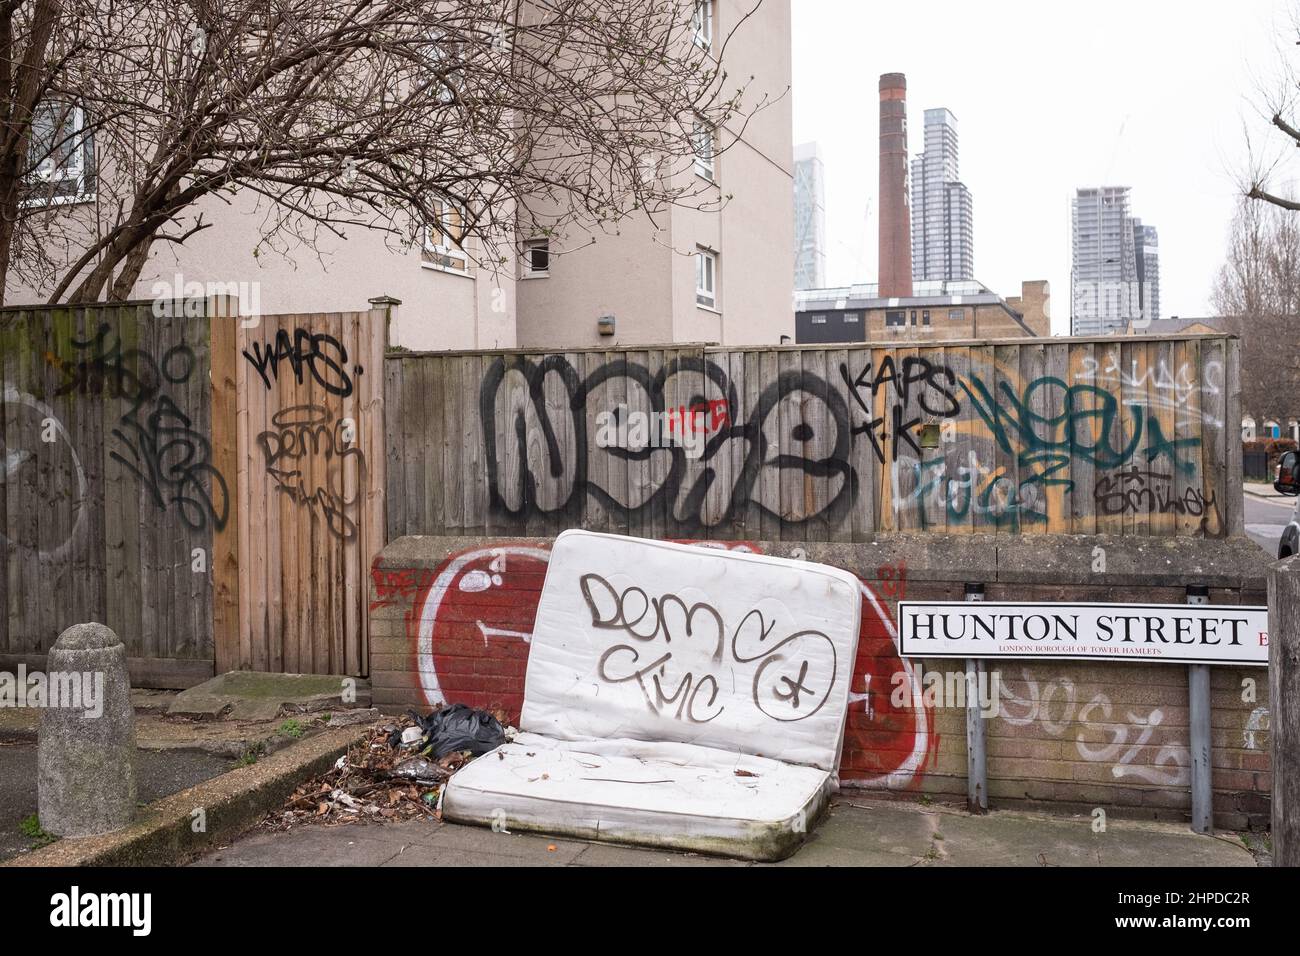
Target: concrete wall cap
{"x": 1005, "y": 559}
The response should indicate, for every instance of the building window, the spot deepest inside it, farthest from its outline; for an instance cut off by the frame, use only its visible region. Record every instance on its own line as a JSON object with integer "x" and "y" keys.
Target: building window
{"x": 443, "y": 238}
{"x": 706, "y": 278}
{"x": 442, "y": 57}
{"x": 896, "y": 317}
{"x": 925, "y": 317}
{"x": 60, "y": 156}
{"x": 956, "y": 315}
{"x": 703, "y": 24}
{"x": 850, "y": 318}
{"x": 914, "y": 316}
{"x": 702, "y": 141}
{"x": 817, "y": 319}
{"x": 537, "y": 257}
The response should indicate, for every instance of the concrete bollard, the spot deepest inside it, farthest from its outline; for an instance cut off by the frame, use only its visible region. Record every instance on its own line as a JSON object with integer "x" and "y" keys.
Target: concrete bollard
{"x": 85, "y": 772}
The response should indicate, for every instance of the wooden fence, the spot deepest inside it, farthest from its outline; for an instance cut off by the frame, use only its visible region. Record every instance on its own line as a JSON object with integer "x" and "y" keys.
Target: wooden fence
{"x": 1132, "y": 436}
{"x": 215, "y": 490}
{"x": 110, "y": 497}
{"x": 211, "y": 489}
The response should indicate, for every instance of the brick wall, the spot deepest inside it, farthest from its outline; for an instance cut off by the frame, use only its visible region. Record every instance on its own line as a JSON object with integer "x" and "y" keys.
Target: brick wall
{"x": 449, "y": 617}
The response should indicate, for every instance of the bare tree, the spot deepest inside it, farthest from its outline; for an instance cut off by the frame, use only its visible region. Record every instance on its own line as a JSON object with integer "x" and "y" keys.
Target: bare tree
{"x": 1257, "y": 291}
{"x": 119, "y": 117}
{"x": 1279, "y": 107}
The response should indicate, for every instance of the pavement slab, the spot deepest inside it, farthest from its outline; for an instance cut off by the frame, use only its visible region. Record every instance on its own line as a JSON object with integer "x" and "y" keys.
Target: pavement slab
{"x": 246, "y": 695}
{"x": 861, "y": 832}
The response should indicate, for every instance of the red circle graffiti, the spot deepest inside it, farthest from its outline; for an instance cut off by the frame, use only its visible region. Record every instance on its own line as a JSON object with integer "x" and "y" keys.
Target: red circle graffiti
{"x": 473, "y": 619}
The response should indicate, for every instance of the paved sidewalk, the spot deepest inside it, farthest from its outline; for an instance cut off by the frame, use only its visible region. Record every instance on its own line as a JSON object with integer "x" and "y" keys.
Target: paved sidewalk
{"x": 158, "y": 774}
{"x": 1262, "y": 490}
{"x": 858, "y": 832}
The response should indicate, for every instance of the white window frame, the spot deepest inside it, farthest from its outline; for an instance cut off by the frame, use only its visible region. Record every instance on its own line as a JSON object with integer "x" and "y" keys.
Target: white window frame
{"x": 73, "y": 171}
{"x": 440, "y": 242}
{"x": 529, "y": 245}
{"x": 706, "y": 278}
{"x": 702, "y": 21}
{"x": 450, "y": 85}
{"x": 705, "y": 164}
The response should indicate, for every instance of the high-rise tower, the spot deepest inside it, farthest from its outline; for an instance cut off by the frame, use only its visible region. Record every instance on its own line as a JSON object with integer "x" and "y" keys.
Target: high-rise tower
{"x": 809, "y": 218}
{"x": 942, "y": 234}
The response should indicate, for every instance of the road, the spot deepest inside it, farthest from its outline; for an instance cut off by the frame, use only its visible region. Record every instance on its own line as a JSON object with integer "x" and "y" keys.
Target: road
{"x": 1265, "y": 519}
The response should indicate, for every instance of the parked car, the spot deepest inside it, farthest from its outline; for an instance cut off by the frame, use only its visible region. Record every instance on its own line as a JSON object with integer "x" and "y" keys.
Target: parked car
{"x": 1288, "y": 483}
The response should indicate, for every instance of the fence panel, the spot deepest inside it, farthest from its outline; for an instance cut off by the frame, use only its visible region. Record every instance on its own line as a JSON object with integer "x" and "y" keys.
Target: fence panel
{"x": 110, "y": 496}
{"x": 1120, "y": 436}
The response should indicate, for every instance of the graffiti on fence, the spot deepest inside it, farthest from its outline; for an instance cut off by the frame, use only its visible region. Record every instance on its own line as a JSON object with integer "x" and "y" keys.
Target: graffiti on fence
{"x": 1159, "y": 385}
{"x": 934, "y": 388}
{"x": 1147, "y": 491}
{"x": 158, "y": 441}
{"x": 319, "y": 353}
{"x": 34, "y": 436}
{"x": 313, "y": 458}
{"x": 971, "y": 492}
{"x": 1085, "y": 423}
{"x": 788, "y": 452}
{"x": 539, "y": 456}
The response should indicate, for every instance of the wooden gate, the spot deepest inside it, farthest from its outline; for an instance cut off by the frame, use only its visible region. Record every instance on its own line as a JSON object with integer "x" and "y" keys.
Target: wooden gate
{"x": 299, "y": 424}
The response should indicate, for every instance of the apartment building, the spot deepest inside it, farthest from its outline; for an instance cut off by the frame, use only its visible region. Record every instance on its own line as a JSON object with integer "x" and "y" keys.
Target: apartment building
{"x": 719, "y": 276}
{"x": 695, "y": 275}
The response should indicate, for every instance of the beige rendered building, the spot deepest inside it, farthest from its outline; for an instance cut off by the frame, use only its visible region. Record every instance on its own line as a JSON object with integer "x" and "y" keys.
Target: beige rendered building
{"x": 720, "y": 276}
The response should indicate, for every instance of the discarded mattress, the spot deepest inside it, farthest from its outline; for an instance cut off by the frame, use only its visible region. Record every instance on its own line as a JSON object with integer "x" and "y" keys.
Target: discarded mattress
{"x": 677, "y": 696}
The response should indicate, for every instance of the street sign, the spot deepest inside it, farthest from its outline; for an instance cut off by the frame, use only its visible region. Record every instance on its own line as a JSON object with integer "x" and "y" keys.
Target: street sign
{"x": 1155, "y": 633}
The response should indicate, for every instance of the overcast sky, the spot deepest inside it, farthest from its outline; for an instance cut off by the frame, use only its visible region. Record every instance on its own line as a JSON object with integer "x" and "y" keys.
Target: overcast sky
{"x": 1150, "y": 94}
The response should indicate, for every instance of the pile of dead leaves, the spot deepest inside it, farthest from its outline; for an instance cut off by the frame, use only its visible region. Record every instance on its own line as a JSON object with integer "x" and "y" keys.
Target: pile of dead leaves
{"x": 376, "y": 780}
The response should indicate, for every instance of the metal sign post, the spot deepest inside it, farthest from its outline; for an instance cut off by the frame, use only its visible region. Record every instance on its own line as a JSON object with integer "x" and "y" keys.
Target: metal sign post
{"x": 977, "y": 781}
{"x": 1198, "y": 698}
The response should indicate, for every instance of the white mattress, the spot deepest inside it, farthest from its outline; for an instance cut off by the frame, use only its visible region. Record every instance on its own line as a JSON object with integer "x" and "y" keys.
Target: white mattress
{"x": 764, "y": 669}
{"x": 656, "y": 672}
{"x": 655, "y": 794}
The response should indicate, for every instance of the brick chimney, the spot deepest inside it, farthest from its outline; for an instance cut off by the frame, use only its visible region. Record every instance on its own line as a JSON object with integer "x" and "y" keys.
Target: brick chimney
{"x": 895, "y": 216}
